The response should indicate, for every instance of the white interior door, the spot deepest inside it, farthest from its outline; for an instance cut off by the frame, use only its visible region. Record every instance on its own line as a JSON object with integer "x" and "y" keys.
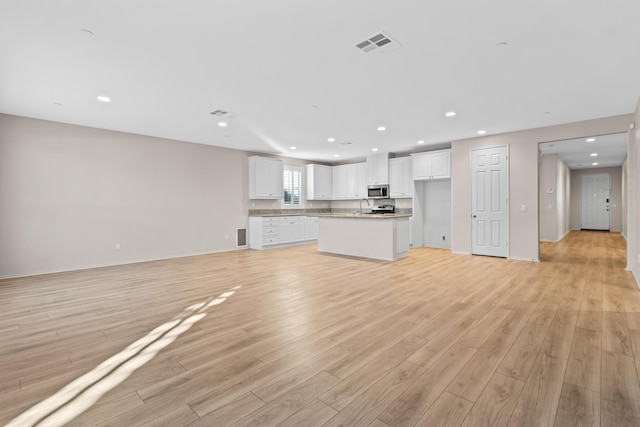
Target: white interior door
{"x": 595, "y": 194}
{"x": 489, "y": 201}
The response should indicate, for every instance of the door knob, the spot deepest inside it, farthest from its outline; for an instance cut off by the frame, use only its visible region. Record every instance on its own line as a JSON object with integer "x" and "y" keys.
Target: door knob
{"x": 474, "y": 216}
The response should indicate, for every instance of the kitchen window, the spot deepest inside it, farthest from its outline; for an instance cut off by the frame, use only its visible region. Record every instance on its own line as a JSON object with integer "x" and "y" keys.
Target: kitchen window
{"x": 292, "y": 188}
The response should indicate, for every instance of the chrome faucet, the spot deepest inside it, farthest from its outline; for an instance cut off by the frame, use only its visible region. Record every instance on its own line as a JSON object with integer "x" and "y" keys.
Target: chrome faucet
{"x": 366, "y": 200}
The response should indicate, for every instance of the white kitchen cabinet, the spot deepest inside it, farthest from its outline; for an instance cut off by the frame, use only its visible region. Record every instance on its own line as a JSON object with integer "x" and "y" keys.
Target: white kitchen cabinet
{"x": 349, "y": 181}
{"x": 431, "y": 165}
{"x": 319, "y": 182}
{"x": 265, "y": 178}
{"x": 311, "y": 228}
{"x": 339, "y": 175}
{"x": 400, "y": 178}
{"x": 378, "y": 169}
{"x": 265, "y": 232}
{"x": 285, "y": 230}
{"x": 361, "y": 186}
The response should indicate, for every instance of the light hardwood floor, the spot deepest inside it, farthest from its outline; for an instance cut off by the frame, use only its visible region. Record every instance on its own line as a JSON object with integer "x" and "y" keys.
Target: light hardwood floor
{"x": 291, "y": 337}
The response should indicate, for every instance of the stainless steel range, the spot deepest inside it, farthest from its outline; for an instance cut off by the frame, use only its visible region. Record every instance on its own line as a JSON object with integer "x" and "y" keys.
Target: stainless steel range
{"x": 383, "y": 209}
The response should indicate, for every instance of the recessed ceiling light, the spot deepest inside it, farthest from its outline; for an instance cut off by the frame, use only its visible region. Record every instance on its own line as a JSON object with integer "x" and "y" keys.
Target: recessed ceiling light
{"x": 374, "y": 149}
{"x": 421, "y": 142}
{"x": 293, "y": 148}
{"x": 481, "y": 132}
{"x": 450, "y": 113}
{"x": 87, "y": 32}
{"x": 331, "y": 139}
{"x": 590, "y": 139}
{"x": 103, "y": 98}
{"x": 593, "y": 154}
{"x": 381, "y": 128}
{"x": 502, "y": 44}
{"x": 594, "y": 164}
{"x": 58, "y": 104}
{"x": 222, "y": 124}
{"x": 336, "y": 155}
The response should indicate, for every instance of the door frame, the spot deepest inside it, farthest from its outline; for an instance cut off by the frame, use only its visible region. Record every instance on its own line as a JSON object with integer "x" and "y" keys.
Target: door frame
{"x": 507, "y": 208}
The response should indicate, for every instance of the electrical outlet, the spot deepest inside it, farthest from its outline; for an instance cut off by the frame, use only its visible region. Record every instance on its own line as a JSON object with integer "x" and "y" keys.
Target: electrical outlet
{"x": 444, "y": 238}
{"x": 117, "y": 246}
{"x": 226, "y": 237}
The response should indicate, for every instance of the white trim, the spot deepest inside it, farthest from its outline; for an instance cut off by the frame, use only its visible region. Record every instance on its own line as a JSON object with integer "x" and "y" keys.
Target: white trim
{"x": 90, "y": 267}
{"x": 516, "y": 258}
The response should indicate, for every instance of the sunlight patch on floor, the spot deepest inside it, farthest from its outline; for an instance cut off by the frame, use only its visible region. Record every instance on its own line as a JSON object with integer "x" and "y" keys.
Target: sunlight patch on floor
{"x": 79, "y": 395}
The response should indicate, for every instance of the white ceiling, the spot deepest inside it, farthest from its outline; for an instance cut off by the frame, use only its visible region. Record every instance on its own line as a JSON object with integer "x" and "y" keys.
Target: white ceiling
{"x": 609, "y": 150}
{"x": 290, "y": 72}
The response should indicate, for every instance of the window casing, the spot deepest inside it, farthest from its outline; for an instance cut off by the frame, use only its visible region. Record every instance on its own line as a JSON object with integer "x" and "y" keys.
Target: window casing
{"x": 293, "y": 195}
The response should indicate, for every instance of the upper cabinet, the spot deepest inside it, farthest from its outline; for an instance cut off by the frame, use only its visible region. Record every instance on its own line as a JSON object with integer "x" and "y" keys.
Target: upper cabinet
{"x": 378, "y": 169}
{"x": 400, "y": 178}
{"x": 265, "y": 178}
{"x": 432, "y": 165}
{"x": 349, "y": 181}
{"x": 319, "y": 182}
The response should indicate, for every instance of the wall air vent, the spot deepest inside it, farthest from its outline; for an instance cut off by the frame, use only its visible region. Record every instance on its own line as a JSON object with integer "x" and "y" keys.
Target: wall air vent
{"x": 378, "y": 43}
{"x": 222, "y": 114}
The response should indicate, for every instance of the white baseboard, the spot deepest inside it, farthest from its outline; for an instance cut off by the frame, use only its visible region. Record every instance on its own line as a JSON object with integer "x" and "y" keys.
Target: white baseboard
{"x": 516, "y": 258}
{"x": 89, "y": 267}
{"x": 460, "y": 253}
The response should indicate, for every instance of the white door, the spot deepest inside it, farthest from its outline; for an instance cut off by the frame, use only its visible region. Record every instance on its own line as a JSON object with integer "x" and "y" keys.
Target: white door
{"x": 489, "y": 201}
{"x": 595, "y": 193}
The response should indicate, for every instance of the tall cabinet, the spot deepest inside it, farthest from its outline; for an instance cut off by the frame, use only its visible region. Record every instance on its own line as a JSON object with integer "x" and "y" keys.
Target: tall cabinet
{"x": 431, "y": 173}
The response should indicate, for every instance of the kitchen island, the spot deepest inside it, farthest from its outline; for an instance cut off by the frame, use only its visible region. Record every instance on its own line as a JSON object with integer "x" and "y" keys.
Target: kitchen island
{"x": 377, "y": 236}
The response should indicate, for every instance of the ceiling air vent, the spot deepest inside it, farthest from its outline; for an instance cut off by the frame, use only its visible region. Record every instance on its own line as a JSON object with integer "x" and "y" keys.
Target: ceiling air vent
{"x": 222, "y": 114}
{"x": 378, "y": 43}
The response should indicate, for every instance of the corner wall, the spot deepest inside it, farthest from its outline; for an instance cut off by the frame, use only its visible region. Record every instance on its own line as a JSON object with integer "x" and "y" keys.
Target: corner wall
{"x": 563, "y": 199}
{"x": 555, "y": 207}
{"x": 548, "y": 201}
{"x": 523, "y": 180}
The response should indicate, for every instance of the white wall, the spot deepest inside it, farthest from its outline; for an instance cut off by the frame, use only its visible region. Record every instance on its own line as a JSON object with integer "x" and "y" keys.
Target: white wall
{"x": 625, "y": 197}
{"x": 548, "y": 201}
{"x": 563, "y": 199}
{"x": 523, "y": 180}
{"x": 437, "y": 213}
{"x": 554, "y": 206}
{"x": 69, "y": 193}
{"x": 633, "y": 231}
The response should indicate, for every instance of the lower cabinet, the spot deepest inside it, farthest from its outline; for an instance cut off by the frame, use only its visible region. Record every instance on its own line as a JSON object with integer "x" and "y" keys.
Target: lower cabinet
{"x": 272, "y": 231}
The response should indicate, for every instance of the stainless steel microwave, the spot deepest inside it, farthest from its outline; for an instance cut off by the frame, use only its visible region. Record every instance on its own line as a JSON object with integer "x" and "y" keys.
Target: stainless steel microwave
{"x": 378, "y": 191}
